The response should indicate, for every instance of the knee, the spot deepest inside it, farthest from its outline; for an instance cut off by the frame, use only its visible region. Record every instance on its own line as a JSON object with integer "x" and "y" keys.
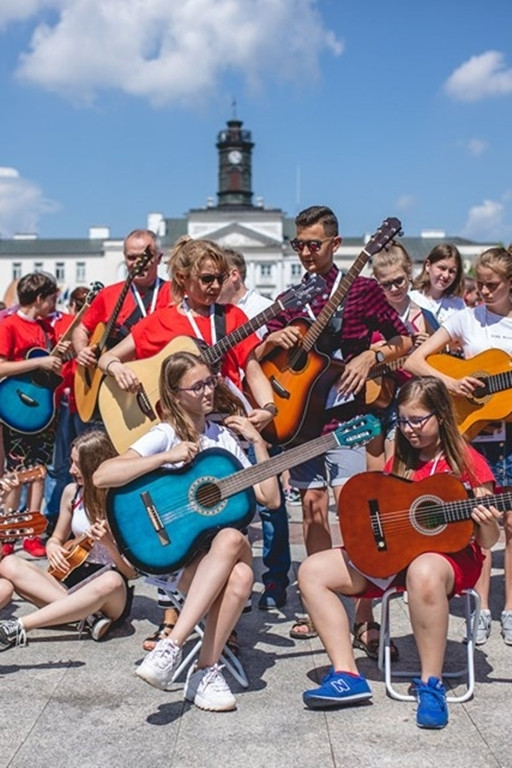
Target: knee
{"x": 231, "y": 542}
{"x": 109, "y": 583}
{"x": 425, "y": 578}
{"x": 241, "y": 580}
{"x": 11, "y": 566}
{"x": 6, "y": 592}
{"x": 311, "y": 574}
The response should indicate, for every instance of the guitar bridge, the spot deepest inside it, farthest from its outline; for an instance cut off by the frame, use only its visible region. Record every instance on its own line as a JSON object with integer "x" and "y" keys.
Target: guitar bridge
{"x": 279, "y": 389}
{"x": 375, "y": 521}
{"x": 154, "y": 518}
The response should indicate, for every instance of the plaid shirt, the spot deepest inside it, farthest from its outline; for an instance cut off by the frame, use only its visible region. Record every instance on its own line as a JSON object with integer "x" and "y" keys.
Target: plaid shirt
{"x": 365, "y": 311}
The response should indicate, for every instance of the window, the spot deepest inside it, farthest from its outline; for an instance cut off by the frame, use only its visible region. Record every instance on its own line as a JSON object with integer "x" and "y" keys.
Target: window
{"x": 80, "y": 272}
{"x": 296, "y": 270}
{"x": 266, "y": 270}
{"x": 38, "y": 266}
{"x": 16, "y": 270}
{"x": 60, "y": 271}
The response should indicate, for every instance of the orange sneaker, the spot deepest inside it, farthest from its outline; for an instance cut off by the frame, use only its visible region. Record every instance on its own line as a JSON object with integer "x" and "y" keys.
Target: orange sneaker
{"x": 34, "y": 546}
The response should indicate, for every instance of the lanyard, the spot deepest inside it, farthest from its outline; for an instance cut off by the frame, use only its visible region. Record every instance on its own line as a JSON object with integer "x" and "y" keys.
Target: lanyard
{"x": 333, "y": 289}
{"x": 140, "y": 303}
{"x": 195, "y": 327}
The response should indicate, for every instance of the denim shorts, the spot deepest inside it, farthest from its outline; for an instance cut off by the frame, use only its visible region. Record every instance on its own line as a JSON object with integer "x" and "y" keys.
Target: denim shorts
{"x": 329, "y": 469}
{"x": 499, "y": 456}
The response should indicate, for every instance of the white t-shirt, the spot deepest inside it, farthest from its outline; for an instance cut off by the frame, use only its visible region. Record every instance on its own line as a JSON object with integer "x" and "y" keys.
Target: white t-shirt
{"x": 162, "y": 437}
{"x": 441, "y": 308}
{"x": 252, "y": 303}
{"x": 478, "y": 329}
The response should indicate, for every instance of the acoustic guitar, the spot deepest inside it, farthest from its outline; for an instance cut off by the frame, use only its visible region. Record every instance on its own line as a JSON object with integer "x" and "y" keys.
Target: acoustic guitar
{"x": 388, "y": 521}
{"x": 380, "y": 386}
{"x": 161, "y": 520}
{"x": 27, "y": 401}
{"x": 77, "y": 551}
{"x": 128, "y": 416}
{"x": 88, "y": 379}
{"x": 490, "y": 402}
{"x": 301, "y": 377}
{"x": 16, "y": 525}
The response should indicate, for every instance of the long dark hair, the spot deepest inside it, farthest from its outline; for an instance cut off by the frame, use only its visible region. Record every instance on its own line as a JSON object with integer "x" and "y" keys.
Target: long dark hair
{"x": 93, "y": 448}
{"x": 438, "y": 253}
{"x": 431, "y": 393}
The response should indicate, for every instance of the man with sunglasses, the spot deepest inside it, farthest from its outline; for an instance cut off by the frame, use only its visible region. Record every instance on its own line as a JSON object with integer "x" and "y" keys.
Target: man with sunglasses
{"x": 347, "y": 336}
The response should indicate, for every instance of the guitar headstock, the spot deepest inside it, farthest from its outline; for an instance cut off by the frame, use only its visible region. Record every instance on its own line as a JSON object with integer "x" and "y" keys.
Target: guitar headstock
{"x": 93, "y": 292}
{"x": 20, "y": 476}
{"x": 299, "y": 295}
{"x": 141, "y": 263}
{"x": 389, "y": 229}
{"x": 358, "y": 431}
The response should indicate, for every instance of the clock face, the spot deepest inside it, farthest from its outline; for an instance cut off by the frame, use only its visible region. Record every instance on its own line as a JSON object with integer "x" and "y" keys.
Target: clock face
{"x": 235, "y": 157}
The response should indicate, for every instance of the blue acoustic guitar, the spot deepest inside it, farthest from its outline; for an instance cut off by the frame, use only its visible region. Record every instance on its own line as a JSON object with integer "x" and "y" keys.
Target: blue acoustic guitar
{"x": 162, "y": 519}
{"x": 27, "y": 401}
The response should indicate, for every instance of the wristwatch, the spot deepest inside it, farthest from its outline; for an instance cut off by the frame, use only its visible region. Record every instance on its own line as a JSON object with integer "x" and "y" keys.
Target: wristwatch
{"x": 379, "y": 356}
{"x": 271, "y": 408}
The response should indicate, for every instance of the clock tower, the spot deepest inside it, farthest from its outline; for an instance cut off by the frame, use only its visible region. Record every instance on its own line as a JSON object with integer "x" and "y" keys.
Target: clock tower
{"x": 235, "y": 166}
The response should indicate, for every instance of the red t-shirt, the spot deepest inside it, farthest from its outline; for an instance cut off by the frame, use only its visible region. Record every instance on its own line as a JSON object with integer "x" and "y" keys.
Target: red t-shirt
{"x": 482, "y": 472}
{"x": 61, "y": 323}
{"x": 102, "y": 307}
{"x": 19, "y": 334}
{"x": 152, "y": 333}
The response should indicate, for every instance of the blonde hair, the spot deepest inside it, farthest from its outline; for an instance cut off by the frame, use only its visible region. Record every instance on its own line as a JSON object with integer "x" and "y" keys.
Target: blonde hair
{"x": 187, "y": 258}
{"x": 93, "y": 448}
{"x": 498, "y": 259}
{"x": 395, "y": 255}
{"x": 172, "y": 371}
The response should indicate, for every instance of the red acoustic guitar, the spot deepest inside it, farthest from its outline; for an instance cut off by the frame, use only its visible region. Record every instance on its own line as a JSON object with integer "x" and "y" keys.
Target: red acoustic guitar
{"x": 388, "y": 521}
{"x": 301, "y": 376}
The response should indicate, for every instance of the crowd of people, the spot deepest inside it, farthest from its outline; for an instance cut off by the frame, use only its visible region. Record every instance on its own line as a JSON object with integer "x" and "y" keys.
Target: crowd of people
{"x": 391, "y": 320}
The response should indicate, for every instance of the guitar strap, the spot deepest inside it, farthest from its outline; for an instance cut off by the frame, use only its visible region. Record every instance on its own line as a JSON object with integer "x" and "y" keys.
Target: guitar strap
{"x": 143, "y": 307}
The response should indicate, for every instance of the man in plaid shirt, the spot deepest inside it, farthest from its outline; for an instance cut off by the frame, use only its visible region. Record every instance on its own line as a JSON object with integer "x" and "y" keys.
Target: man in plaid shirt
{"x": 348, "y": 337}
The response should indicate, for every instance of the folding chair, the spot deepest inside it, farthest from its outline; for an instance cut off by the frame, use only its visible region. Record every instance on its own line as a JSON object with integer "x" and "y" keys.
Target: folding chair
{"x": 227, "y": 657}
{"x": 471, "y": 614}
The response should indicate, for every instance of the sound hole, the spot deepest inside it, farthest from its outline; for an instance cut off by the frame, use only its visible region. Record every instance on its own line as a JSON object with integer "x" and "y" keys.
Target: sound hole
{"x": 426, "y": 517}
{"x": 208, "y": 495}
{"x": 298, "y": 359}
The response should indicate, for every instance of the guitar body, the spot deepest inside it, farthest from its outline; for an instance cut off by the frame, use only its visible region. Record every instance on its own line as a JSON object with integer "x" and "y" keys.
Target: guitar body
{"x": 181, "y": 500}
{"x": 17, "y": 525}
{"x": 372, "y": 503}
{"x": 380, "y": 392}
{"x": 77, "y": 552}
{"x": 128, "y": 416}
{"x": 88, "y": 380}
{"x": 492, "y": 366}
{"x": 26, "y": 405}
{"x": 293, "y": 376}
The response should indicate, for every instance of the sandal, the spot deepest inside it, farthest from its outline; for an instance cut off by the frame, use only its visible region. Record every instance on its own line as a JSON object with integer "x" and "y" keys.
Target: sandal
{"x": 164, "y": 629}
{"x": 371, "y": 648}
{"x": 303, "y": 634}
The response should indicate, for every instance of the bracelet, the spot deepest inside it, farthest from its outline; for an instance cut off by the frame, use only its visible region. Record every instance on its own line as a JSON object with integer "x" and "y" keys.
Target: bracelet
{"x": 114, "y": 360}
{"x": 271, "y": 408}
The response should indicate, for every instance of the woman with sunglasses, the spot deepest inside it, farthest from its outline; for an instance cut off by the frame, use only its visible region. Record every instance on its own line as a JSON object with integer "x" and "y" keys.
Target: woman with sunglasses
{"x": 477, "y": 329}
{"x": 218, "y": 581}
{"x": 427, "y": 443}
{"x": 198, "y": 269}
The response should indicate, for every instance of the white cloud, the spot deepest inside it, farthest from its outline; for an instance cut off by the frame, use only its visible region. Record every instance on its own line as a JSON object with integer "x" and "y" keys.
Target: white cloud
{"x": 488, "y": 221}
{"x": 476, "y": 147}
{"x": 21, "y": 203}
{"x": 481, "y": 77}
{"x": 18, "y": 10}
{"x": 173, "y": 51}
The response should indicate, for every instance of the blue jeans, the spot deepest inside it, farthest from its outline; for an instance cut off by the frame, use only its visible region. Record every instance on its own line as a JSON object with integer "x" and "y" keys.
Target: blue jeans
{"x": 276, "y": 536}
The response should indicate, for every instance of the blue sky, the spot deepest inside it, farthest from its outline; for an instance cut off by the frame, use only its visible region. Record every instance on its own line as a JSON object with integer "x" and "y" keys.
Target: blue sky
{"x": 111, "y": 108}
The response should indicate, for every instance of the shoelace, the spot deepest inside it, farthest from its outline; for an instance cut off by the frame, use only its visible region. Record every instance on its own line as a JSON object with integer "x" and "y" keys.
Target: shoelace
{"x": 16, "y": 632}
{"x": 422, "y": 689}
{"x": 164, "y": 653}
{"x": 214, "y": 678}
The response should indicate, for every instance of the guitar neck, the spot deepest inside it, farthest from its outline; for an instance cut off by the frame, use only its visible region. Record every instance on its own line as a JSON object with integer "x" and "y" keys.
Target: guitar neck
{"x": 381, "y": 369}
{"x": 314, "y": 331}
{"x": 246, "y": 478}
{"x": 214, "y": 354}
{"x": 113, "y": 317}
{"x": 66, "y": 336}
{"x": 456, "y": 511}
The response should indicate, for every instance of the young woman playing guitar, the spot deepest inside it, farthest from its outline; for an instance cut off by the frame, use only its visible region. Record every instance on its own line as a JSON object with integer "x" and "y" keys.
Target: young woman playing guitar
{"x": 482, "y": 330}
{"x": 105, "y": 597}
{"x": 219, "y": 580}
{"x": 427, "y": 443}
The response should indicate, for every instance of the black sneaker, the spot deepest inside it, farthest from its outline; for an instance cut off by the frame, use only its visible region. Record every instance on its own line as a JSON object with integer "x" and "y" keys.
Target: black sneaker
{"x": 98, "y": 625}
{"x": 12, "y": 634}
{"x": 274, "y": 596}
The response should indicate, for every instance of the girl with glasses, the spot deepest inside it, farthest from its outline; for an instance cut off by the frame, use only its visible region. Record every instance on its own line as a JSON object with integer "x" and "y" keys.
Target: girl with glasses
{"x": 477, "y": 329}
{"x": 219, "y": 580}
{"x": 427, "y": 443}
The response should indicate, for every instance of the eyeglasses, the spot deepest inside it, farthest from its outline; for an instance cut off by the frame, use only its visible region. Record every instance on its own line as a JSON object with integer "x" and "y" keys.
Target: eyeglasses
{"x": 210, "y": 279}
{"x": 313, "y": 246}
{"x": 415, "y": 422}
{"x": 398, "y": 282}
{"x": 199, "y": 388}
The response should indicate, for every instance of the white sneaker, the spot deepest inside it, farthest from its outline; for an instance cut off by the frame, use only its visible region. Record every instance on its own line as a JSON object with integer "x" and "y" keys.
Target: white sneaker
{"x": 208, "y": 689}
{"x": 506, "y": 626}
{"x": 483, "y": 629}
{"x": 160, "y": 664}
{"x": 98, "y": 625}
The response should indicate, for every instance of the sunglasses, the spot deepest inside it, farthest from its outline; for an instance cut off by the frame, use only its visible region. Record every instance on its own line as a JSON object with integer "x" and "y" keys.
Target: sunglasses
{"x": 199, "y": 388}
{"x": 210, "y": 279}
{"x": 399, "y": 282}
{"x": 415, "y": 422}
{"x": 313, "y": 246}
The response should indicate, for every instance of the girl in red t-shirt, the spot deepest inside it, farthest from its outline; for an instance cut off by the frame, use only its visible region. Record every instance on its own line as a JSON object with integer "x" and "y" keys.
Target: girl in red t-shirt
{"x": 427, "y": 443}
